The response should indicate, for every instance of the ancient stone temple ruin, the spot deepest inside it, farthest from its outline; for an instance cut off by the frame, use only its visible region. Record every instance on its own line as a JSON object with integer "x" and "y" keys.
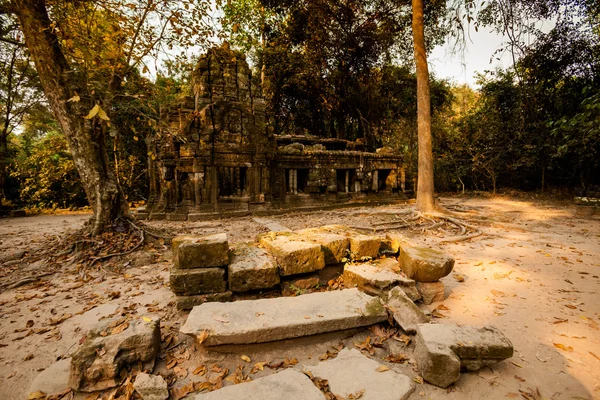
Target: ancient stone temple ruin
{"x": 218, "y": 155}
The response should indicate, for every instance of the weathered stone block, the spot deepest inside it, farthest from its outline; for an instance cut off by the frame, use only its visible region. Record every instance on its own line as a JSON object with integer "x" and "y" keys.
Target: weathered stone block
{"x": 201, "y": 251}
{"x": 334, "y": 246}
{"x": 108, "y": 348}
{"x": 264, "y": 320}
{"x": 251, "y": 268}
{"x": 360, "y": 245}
{"x": 189, "y": 302}
{"x": 197, "y": 281}
{"x": 431, "y": 291}
{"x": 176, "y": 217}
{"x": 151, "y": 387}
{"x": 424, "y": 264}
{"x": 405, "y": 312}
{"x": 378, "y": 277}
{"x": 288, "y": 384}
{"x": 441, "y": 350}
{"x": 352, "y": 373}
{"x": 293, "y": 255}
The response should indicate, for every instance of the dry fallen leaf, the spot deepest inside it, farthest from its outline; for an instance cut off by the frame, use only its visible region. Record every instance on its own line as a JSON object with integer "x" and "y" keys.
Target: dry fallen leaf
{"x": 200, "y": 371}
{"x": 202, "y": 337}
{"x": 246, "y": 358}
{"x": 382, "y": 368}
{"x": 119, "y": 328}
{"x": 563, "y": 347}
{"x": 36, "y": 395}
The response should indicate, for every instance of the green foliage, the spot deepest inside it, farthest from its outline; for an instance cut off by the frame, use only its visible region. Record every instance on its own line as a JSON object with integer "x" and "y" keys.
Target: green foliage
{"x": 47, "y": 175}
{"x": 532, "y": 125}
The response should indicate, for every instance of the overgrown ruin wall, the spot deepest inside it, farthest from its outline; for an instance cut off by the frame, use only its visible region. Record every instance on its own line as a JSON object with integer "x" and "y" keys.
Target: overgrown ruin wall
{"x": 218, "y": 156}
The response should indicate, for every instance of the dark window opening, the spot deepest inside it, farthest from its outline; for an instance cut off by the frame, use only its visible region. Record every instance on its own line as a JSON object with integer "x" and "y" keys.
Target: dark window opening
{"x": 301, "y": 179}
{"x": 232, "y": 181}
{"x": 382, "y": 177}
{"x": 341, "y": 175}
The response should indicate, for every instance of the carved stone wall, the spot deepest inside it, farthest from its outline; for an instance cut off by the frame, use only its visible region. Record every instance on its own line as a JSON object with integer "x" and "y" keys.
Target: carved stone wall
{"x": 217, "y": 156}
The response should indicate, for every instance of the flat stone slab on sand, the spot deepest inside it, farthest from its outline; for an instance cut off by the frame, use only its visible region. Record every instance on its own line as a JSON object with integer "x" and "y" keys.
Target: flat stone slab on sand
{"x": 379, "y": 276}
{"x": 293, "y": 254}
{"x": 265, "y": 320}
{"x": 201, "y": 251}
{"x": 334, "y": 246}
{"x": 289, "y": 384}
{"x": 54, "y": 379}
{"x": 441, "y": 350}
{"x": 352, "y": 373}
{"x": 251, "y": 268}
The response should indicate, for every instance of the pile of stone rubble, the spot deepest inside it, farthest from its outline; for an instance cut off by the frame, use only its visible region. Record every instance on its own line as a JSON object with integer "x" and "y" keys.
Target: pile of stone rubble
{"x": 207, "y": 271}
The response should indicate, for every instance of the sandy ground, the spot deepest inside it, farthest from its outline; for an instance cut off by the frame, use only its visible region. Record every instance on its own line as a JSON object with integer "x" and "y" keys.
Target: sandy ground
{"x": 534, "y": 274}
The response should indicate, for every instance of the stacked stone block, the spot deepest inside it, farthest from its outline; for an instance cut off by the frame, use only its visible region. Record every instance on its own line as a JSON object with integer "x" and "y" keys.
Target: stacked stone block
{"x": 199, "y": 272}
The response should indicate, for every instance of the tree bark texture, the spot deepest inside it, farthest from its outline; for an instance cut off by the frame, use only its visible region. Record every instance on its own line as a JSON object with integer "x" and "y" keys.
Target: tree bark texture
{"x": 425, "y": 188}
{"x": 85, "y": 137}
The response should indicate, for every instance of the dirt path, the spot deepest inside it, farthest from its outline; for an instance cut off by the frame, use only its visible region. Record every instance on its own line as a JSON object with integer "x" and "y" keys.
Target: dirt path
{"x": 534, "y": 274}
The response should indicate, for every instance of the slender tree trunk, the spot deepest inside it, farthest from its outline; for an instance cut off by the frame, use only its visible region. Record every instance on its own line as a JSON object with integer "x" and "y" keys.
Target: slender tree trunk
{"x": 85, "y": 137}
{"x": 3, "y": 164}
{"x": 425, "y": 189}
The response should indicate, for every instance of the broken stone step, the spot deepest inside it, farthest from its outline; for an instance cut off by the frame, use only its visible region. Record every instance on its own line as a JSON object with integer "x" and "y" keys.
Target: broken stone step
{"x": 293, "y": 254}
{"x": 251, "y": 268}
{"x": 378, "y": 277}
{"x": 201, "y": 251}
{"x": 405, "y": 312}
{"x": 441, "y": 350}
{"x": 289, "y": 384}
{"x": 353, "y": 374}
{"x": 265, "y": 320}
{"x": 334, "y": 246}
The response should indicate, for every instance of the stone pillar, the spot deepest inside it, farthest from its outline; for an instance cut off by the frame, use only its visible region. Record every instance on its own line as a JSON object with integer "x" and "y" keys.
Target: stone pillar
{"x": 347, "y": 181}
{"x": 375, "y": 181}
{"x": 403, "y": 179}
{"x": 293, "y": 181}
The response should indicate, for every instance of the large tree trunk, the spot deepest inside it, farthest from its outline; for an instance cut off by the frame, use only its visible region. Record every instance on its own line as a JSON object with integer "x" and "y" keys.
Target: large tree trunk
{"x": 425, "y": 189}
{"x": 85, "y": 137}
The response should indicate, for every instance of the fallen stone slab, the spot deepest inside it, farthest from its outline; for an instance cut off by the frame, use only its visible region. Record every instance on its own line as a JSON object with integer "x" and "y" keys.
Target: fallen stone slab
{"x": 431, "y": 291}
{"x": 189, "y": 302}
{"x": 109, "y": 347}
{"x": 293, "y": 254}
{"x": 424, "y": 264}
{"x": 201, "y": 251}
{"x": 405, "y": 312}
{"x": 151, "y": 387}
{"x": 441, "y": 350}
{"x": 271, "y": 225}
{"x": 352, "y": 373}
{"x": 378, "y": 277}
{"x": 265, "y": 320}
{"x": 334, "y": 246}
{"x": 197, "y": 281}
{"x": 52, "y": 380}
{"x": 288, "y": 384}
{"x": 251, "y": 268}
